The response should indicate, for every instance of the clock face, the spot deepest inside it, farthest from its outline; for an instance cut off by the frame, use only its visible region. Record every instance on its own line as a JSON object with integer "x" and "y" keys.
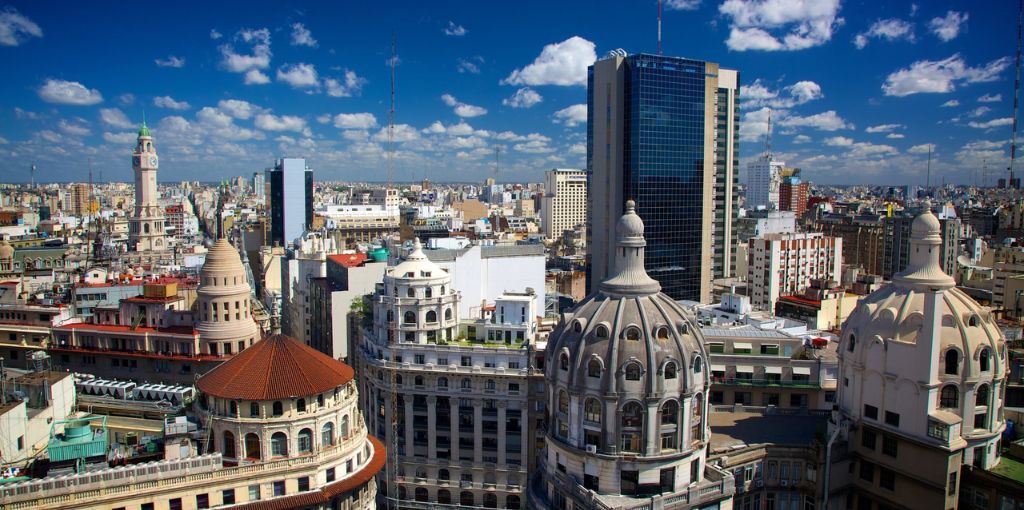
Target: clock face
{"x": 136, "y": 161}
{"x": 152, "y": 161}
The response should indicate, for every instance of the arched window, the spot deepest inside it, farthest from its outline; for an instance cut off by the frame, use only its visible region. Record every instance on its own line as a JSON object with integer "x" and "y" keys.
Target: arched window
{"x": 327, "y": 434}
{"x": 594, "y": 368}
{"x": 632, "y": 423}
{"x": 952, "y": 362}
{"x": 490, "y": 385}
{"x": 490, "y": 500}
{"x": 145, "y": 228}
{"x": 466, "y": 499}
{"x": 851, "y": 343}
{"x": 602, "y": 331}
{"x": 512, "y": 501}
{"x": 632, "y": 333}
{"x": 428, "y": 292}
{"x": 563, "y": 402}
{"x": 398, "y": 379}
{"x": 448, "y": 314}
{"x": 563, "y": 361}
{"x": 305, "y": 441}
{"x": 431, "y": 316}
{"x": 670, "y": 370}
{"x": 592, "y": 410}
{"x": 410, "y": 292}
{"x": 232, "y": 408}
{"x": 443, "y": 496}
{"x": 661, "y": 333}
{"x": 577, "y": 326}
{"x": 670, "y": 413}
{"x": 229, "y": 445}
{"x": 467, "y": 384}
{"x": 984, "y": 360}
{"x": 278, "y": 408}
{"x": 442, "y": 382}
{"x": 632, "y": 371}
{"x": 697, "y": 418}
{"x": 252, "y": 446}
{"x": 421, "y": 494}
{"x": 949, "y": 397}
{"x": 981, "y": 396}
{"x": 409, "y": 318}
{"x": 279, "y": 444}
{"x": 442, "y": 474}
{"x": 300, "y": 405}
{"x": 442, "y": 290}
{"x": 697, "y": 365}
{"x": 344, "y": 427}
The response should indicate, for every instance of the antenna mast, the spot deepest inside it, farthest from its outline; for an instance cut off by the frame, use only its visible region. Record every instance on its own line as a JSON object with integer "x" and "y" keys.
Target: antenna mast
{"x": 1016, "y": 92}
{"x": 391, "y": 121}
{"x": 768, "y": 138}
{"x": 659, "y": 27}
{"x": 32, "y": 181}
{"x": 928, "y": 181}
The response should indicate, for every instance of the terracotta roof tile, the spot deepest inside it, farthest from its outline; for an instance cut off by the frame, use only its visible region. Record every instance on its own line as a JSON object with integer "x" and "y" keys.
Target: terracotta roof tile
{"x": 276, "y": 367}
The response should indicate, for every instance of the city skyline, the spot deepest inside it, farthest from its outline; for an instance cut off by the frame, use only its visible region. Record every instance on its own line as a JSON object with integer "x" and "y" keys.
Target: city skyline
{"x": 224, "y": 99}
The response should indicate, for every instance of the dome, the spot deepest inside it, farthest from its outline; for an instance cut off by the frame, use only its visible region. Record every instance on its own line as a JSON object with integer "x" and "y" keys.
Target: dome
{"x": 222, "y": 260}
{"x": 417, "y": 266}
{"x": 630, "y": 226}
{"x": 277, "y": 367}
{"x": 6, "y": 250}
{"x": 143, "y": 131}
{"x": 926, "y": 227}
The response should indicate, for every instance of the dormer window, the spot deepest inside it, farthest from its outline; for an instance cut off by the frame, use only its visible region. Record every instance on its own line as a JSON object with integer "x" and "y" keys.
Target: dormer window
{"x": 425, "y": 274}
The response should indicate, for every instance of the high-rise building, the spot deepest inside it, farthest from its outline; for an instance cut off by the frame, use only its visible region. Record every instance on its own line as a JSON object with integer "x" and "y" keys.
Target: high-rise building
{"x": 291, "y": 200}
{"x": 785, "y": 264}
{"x": 764, "y": 176}
{"x": 565, "y": 201}
{"x": 146, "y": 227}
{"x": 661, "y": 130}
{"x": 793, "y": 194}
{"x": 79, "y": 198}
{"x": 259, "y": 185}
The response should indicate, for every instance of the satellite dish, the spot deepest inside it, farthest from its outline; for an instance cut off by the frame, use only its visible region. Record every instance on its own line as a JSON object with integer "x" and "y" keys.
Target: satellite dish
{"x": 617, "y": 52}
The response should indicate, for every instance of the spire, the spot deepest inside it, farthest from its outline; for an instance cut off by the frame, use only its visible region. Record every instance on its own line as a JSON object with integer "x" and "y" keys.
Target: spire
{"x": 924, "y": 269}
{"x": 629, "y": 276}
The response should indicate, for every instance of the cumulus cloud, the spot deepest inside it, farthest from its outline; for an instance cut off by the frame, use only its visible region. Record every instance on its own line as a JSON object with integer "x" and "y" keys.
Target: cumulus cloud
{"x": 1005, "y": 121}
{"x": 301, "y": 36}
{"x": 990, "y": 98}
{"x": 259, "y": 58}
{"x": 402, "y": 133}
{"x": 839, "y": 141}
{"x": 924, "y": 148}
{"x": 891, "y": 29}
{"x": 237, "y": 108}
{"x": 979, "y": 111}
{"x": 883, "y": 128}
{"x": 951, "y": 103}
{"x": 115, "y": 118}
{"x": 355, "y": 121}
{"x": 825, "y": 121}
{"x": 563, "y": 63}
{"x": 73, "y": 128}
{"x": 779, "y": 25}
{"x": 682, "y": 5}
{"x": 16, "y": 28}
{"x": 126, "y": 99}
{"x": 123, "y": 138}
{"x": 940, "y": 76}
{"x": 948, "y": 27}
{"x": 455, "y": 30}
{"x": 256, "y": 77}
{"x": 470, "y": 65}
{"x": 298, "y": 75}
{"x": 350, "y": 85}
{"x": 523, "y": 98}
{"x": 867, "y": 150}
{"x": 269, "y": 122}
{"x": 214, "y": 34}
{"x": 572, "y": 115}
{"x": 895, "y": 136}
{"x": 68, "y": 92}
{"x": 170, "y": 61}
{"x": 462, "y": 109}
{"x": 759, "y": 95}
{"x": 169, "y": 103}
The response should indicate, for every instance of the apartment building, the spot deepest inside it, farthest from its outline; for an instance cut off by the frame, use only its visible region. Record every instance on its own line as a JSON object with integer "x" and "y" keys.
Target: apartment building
{"x": 785, "y": 264}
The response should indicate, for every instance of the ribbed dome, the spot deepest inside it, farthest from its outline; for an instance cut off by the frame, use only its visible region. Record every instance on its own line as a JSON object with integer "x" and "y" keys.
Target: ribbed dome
{"x": 222, "y": 260}
{"x": 417, "y": 266}
{"x": 923, "y": 270}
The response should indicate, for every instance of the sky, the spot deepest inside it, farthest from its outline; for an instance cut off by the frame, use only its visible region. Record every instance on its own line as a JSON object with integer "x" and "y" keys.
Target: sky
{"x": 857, "y": 91}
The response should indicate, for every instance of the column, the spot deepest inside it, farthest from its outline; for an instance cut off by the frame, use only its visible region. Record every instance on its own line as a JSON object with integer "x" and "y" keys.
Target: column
{"x": 431, "y": 427}
{"x": 478, "y": 430}
{"x": 453, "y": 435}
{"x": 652, "y": 439}
{"x": 502, "y": 405}
{"x": 409, "y": 448}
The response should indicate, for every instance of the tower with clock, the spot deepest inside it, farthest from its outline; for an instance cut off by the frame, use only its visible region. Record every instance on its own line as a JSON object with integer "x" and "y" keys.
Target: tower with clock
{"x": 147, "y": 227}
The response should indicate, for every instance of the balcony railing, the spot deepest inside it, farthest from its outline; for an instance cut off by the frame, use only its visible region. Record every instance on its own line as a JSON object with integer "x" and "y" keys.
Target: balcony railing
{"x": 739, "y": 381}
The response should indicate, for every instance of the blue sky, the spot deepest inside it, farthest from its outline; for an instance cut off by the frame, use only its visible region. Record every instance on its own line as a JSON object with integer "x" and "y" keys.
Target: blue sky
{"x": 858, "y": 90}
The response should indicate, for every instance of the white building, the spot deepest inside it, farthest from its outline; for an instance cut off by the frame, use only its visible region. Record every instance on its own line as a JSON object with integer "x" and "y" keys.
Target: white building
{"x": 565, "y": 201}
{"x": 784, "y": 264}
{"x": 308, "y": 260}
{"x": 764, "y": 178}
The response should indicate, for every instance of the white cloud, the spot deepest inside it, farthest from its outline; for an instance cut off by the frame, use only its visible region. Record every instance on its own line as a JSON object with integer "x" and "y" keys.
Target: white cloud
{"x": 682, "y": 5}
{"x": 455, "y": 30}
{"x": 839, "y": 141}
{"x": 895, "y": 136}
{"x": 755, "y": 124}
{"x": 16, "y": 28}
{"x": 757, "y": 95}
{"x": 984, "y": 144}
{"x": 301, "y": 36}
{"x": 125, "y": 138}
{"x": 941, "y": 76}
{"x": 243, "y": 63}
{"x": 70, "y": 129}
{"x": 572, "y": 115}
{"x": 170, "y": 61}
{"x": 471, "y": 66}
{"x": 436, "y": 128}
{"x": 402, "y": 133}
{"x": 462, "y": 109}
{"x": 169, "y": 103}
{"x": 68, "y": 92}
{"x": 563, "y": 63}
{"x": 801, "y": 139}
{"x": 948, "y": 27}
{"x": 867, "y": 150}
{"x": 523, "y": 98}
{"x": 214, "y": 34}
{"x": 237, "y": 108}
{"x": 979, "y": 111}
{"x": 951, "y": 103}
{"x": 924, "y": 148}
{"x": 115, "y": 118}
{"x": 889, "y": 29}
{"x": 1005, "y": 121}
{"x": 268, "y": 122}
{"x": 352, "y": 85}
{"x": 797, "y": 24}
{"x": 825, "y": 121}
{"x": 355, "y": 121}
{"x": 298, "y": 75}
{"x": 256, "y": 77}
{"x": 883, "y": 128}
{"x": 355, "y": 134}
{"x": 990, "y": 98}
{"x": 533, "y": 147}
{"x": 126, "y": 99}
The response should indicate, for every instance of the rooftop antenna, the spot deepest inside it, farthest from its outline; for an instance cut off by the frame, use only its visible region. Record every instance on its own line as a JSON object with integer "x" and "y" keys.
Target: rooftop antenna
{"x": 768, "y": 138}
{"x": 391, "y": 120}
{"x": 928, "y": 180}
{"x": 659, "y": 28}
{"x": 32, "y": 180}
{"x": 1016, "y": 92}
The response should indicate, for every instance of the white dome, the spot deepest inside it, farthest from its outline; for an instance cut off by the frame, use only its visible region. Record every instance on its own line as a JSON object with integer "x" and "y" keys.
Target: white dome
{"x": 417, "y": 266}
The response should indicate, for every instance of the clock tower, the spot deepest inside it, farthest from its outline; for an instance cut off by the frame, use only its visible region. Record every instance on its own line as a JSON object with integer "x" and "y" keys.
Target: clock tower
{"x": 146, "y": 228}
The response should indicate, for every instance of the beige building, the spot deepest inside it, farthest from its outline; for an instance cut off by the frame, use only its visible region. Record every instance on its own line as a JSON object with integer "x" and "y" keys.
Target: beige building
{"x": 223, "y": 307}
{"x": 564, "y": 206}
{"x": 785, "y": 264}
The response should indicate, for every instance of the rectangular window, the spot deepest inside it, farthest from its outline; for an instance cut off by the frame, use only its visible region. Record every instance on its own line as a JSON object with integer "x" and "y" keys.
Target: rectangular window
{"x": 303, "y": 483}
{"x": 695, "y": 471}
{"x": 629, "y": 483}
{"x": 279, "y": 488}
{"x": 889, "y": 445}
{"x": 892, "y": 418}
{"x": 330, "y": 475}
{"x": 938, "y": 430}
{"x": 668, "y": 480}
{"x": 867, "y": 439}
{"x": 591, "y": 482}
{"x": 147, "y": 506}
{"x": 202, "y": 501}
{"x": 254, "y": 493}
{"x": 887, "y": 479}
{"x": 228, "y": 497}
{"x": 867, "y": 471}
{"x": 870, "y": 411}
{"x": 174, "y": 504}
{"x": 952, "y": 484}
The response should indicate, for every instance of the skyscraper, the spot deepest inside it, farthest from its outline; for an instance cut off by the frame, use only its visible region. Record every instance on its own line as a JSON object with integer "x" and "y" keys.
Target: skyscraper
{"x": 565, "y": 201}
{"x": 146, "y": 227}
{"x": 764, "y": 176}
{"x": 661, "y": 130}
{"x": 291, "y": 199}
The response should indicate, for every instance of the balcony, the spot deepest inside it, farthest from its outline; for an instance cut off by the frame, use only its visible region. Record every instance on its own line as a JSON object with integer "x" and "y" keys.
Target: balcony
{"x": 784, "y": 383}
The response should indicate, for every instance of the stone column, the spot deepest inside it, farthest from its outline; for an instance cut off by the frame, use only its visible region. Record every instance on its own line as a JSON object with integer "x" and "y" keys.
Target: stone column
{"x": 502, "y": 405}
{"x": 652, "y": 440}
{"x": 478, "y": 430}
{"x": 431, "y": 427}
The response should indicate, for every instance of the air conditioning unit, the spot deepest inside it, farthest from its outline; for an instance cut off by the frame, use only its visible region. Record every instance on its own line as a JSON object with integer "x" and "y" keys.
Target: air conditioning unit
{"x": 591, "y": 448}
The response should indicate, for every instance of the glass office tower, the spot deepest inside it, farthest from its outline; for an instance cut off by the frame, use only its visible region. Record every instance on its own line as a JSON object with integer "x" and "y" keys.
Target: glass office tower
{"x": 291, "y": 200}
{"x": 661, "y": 131}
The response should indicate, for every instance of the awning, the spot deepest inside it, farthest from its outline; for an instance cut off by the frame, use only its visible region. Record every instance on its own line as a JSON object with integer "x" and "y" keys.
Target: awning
{"x": 773, "y": 370}
{"x": 744, "y": 369}
{"x": 718, "y": 368}
{"x": 742, "y": 345}
{"x": 801, "y": 370}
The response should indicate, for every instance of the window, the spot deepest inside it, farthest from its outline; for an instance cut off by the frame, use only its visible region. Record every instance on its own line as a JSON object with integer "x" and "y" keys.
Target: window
{"x": 949, "y": 398}
{"x": 279, "y": 488}
{"x": 668, "y": 480}
{"x": 254, "y": 409}
{"x": 670, "y": 370}
{"x": 984, "y": 360}
{"x": 981, "y": 395}
{"x": 447, "y": 312}
{"x": 563, "y": 402}
{"x": 938, "y": 430}
{"x": 300, "y": 405}
{"x": 868, "y": 439}
{"x": 329, "y": 475}
{"x": 563, "y": 361}
{"x": 670, "y": 413}
{"x": 409, "y": 318}
{"x": 892, "y": 418}
{"x": 591, "y": 482}
{"x": 870, "y": 411}
{"x": 867, "y": 471}
{"x": 229, "y": 444}
{"x": 467, "y": 384}
{"x": 174, "y": 504}
{"x": 851, "y": 344}
{"x": 887, "y": 479}
{"x": 431, "y": 316}
{"x": 278, "y": 408}
{"x": 697, "y": 365}
{"x": 202, "y": 501}
{"x": 254, "y": 493}
{"x": 442, "y": 382}
{"x": 279, "y": 444}
{"x": 228, "y": 497}
{"x": 632, "y": 371}
{"x": 889, "y": 445}
{"x": 952, "y": 362}
{"x": 632, "y": 333}
{"x": 410, "y": 292}
{"x": 592, "y": 410}
{"x": 601, "y": 331}
{"x": 305, "y": 441}
{"x": 252, "y": 446}
{"x": 952, "y": 484}
{"x": 327, "y": 434}
{"x": 594, "y": 368}
{"x": 303, "y": 483}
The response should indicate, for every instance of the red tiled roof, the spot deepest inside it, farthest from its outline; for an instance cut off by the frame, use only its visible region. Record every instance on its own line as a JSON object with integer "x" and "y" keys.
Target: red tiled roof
{"x": 348, "y": 259}
{"x": 323, "y": 495}
{"x": 274, "y": 368}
